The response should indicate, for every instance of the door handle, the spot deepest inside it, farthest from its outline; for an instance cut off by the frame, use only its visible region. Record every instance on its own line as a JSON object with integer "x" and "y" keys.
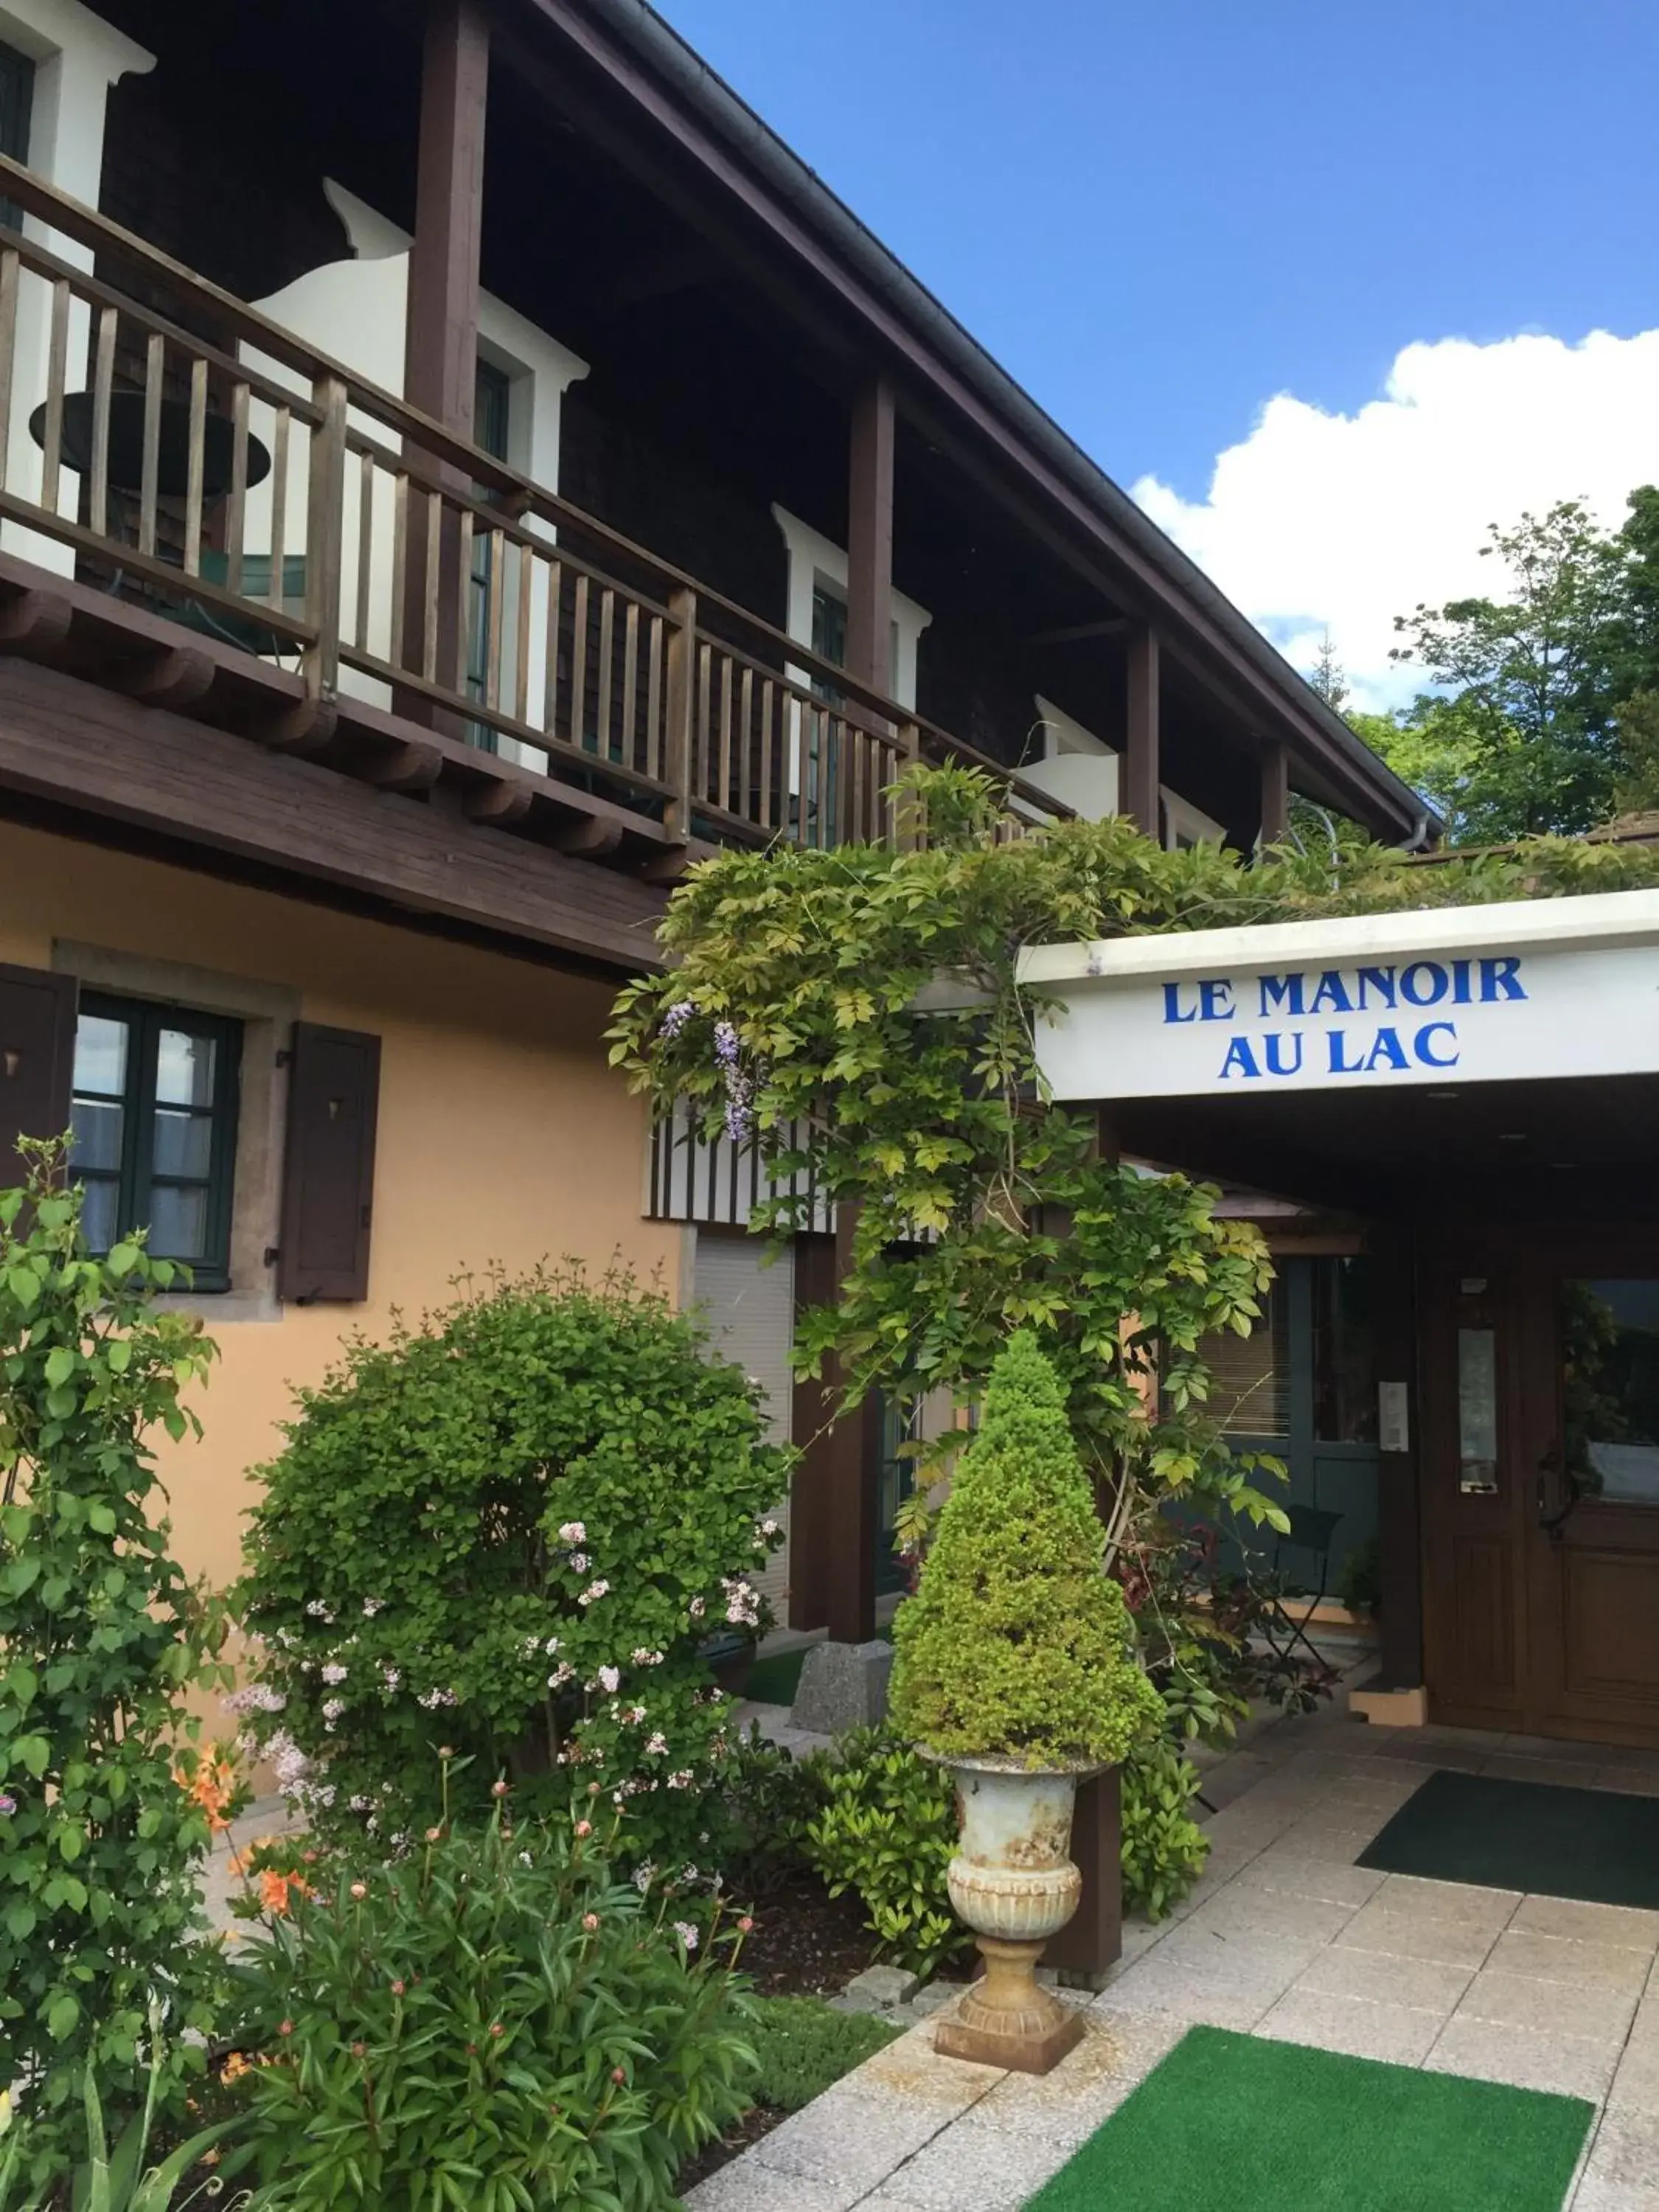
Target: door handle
{"x": 1551, "y": 1523}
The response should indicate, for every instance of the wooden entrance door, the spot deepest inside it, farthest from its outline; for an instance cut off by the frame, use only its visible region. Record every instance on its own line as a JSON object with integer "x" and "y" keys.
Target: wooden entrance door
{"x": 1541, "y": 1487}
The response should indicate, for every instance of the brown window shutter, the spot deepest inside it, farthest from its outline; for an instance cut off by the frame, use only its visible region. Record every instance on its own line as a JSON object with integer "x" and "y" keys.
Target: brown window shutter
{"x": 37, "y": 1060}
{"x": 328, "y": 1174}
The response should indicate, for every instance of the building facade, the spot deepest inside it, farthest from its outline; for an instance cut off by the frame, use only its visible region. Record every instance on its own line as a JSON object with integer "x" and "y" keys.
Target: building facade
{"x": 457, "y": 467}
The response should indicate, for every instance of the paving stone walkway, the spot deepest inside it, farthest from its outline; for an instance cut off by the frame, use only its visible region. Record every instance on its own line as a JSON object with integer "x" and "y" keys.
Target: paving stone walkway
{"x": 1285, "y": 1936}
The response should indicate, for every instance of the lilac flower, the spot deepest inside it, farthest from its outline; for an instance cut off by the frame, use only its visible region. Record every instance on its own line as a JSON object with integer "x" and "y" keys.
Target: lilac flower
{"x": 572, "y": 1532}
{"x": 683, "y": 1780}
{"x": 7, "y": 1807}
{"x": 372, "y": 1606}
{"x": 644, "y": 1658}
{"x": 592, "y": 1593}
{"x": 334, "y": 1673}
{"x": 255, "y": 1697}
{"x": 319, "y": 1610}
{"x": 675, "y": 1019}
{"x": 579, "y": 1562}
{"x": 697, "y": 1608}
{"x": 550, "y": 1646}
{"x": 687, "y": 1934}
{"x": 643, "y": 1876}
{"x": 610, "y": 1677}
{"x": 333, "y": 1708}
{"x": 561, "y": 1673}
{"x": 433, "y": 1698}
{"x": 657, "y": 1746}
{"x": 392, "y": 1677}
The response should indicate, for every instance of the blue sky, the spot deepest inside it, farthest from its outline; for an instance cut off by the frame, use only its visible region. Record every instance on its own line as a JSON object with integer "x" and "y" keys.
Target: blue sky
{"x": 1158, "y": 215}
{"x": 1161, "y": 215}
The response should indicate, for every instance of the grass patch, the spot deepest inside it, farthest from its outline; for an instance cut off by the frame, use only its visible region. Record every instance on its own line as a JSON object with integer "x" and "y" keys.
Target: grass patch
{"x": 804, "y": 2047}
{"x": 1237, "y": 2124}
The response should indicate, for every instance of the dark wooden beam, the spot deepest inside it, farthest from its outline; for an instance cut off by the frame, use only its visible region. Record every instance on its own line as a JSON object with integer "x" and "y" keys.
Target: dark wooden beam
{"x": 441, "y": 344}
{"x": 1275, "y": 791}
{"x": 1138, "y": 799}
{"x": 832, "y": 1525}
{"x": 440, "y": 360}
{"x": 88, "y": 749}
{"x": 1075, "y": 633}
{"x": 870, "y": 538}
{"x": 654, "y": 276}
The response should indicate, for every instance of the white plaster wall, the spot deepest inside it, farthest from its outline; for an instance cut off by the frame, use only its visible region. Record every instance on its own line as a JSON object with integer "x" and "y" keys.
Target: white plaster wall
{"x": 355, "y": 311}
{"x": 77, "y": 57}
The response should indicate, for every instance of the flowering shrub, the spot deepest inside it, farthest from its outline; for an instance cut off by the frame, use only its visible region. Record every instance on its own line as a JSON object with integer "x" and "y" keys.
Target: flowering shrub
{"x": 100, "y": 1847}
{"x": 491, "y": 2018}
{"x": 510, "y": 1529}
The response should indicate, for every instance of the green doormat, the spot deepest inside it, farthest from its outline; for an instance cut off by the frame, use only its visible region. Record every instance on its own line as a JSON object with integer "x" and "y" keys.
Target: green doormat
{"x": 774, "y": 1681}
{"x": 1234, "y": 2123}
{"x": 1598, "y": 1845}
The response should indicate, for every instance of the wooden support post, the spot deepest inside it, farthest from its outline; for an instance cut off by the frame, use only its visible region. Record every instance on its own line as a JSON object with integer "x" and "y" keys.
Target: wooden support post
{"x": 832, "y": 1521}
{"x": 1139, "y": 798}
{"x": 680, "y": 710}
{"x": 441, "y": 359}
{"x": 870, "y": 539}
{"x": 1092, "y": 1939}
{"x": 1275, "y": 791}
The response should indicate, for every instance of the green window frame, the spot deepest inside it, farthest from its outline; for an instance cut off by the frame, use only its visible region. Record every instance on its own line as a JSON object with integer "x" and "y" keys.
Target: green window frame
{"x": 153, "y": 1118}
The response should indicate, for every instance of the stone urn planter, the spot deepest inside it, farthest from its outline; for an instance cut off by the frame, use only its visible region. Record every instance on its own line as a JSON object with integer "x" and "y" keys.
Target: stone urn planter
{"x": 1013, "y": 1884}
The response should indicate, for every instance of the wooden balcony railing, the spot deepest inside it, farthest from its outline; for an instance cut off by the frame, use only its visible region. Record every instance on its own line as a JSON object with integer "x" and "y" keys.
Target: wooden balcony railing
{"x": 166, "y": 442}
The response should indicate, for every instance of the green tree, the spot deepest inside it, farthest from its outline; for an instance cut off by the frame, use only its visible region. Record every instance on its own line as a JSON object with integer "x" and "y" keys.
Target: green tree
{"x": 1520, "y": 734}
{"x": 101, "y": 1843}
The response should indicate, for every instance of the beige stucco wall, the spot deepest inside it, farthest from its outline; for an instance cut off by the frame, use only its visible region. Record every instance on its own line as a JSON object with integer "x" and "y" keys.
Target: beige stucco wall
{"x": 503, "y": 1136}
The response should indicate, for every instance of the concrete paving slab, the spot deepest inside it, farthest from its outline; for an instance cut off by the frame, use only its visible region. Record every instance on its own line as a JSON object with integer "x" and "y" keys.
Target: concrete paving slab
{"x": 1626, "y": 1925}
{"x": 1568, "y": 1958}
{"x": 857, "y": 2138}
{"x": 1464, "y": 1901}
{"x": 1555, "y": 2007}
{"x": 1384, "y": 1978}
{"x": 1526, "y": 2058}
{"x": 1294, "y": 1875}
{"x": 1117, "y": 2053}
{"x": 1414, "y": 1935}
{"x": 1398, "y": 2033}
{"x": 990, "y": 2169}
{"x": 1623, "y": 2166}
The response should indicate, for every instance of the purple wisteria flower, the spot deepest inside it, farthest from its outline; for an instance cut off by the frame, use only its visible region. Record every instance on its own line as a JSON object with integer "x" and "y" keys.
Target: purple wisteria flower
{"x": 725, "y": 1044}
{"x": 676, "y": 1018}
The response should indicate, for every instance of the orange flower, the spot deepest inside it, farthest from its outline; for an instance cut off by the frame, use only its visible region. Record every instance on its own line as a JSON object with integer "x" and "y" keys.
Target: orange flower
{"x": 213, "y": 1787}
{"x": 274, "y": 1889}
{"x": 234, "y": 2068}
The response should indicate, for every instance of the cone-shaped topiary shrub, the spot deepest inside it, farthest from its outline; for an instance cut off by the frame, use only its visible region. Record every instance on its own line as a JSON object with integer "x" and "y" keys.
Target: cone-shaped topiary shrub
{"x": 1016, "y": 1645}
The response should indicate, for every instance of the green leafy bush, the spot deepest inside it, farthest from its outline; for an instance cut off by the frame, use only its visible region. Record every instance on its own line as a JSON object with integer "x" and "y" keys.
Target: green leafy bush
{"x": 492, "y": 2020}
{"x": 100, "y": 1847}
{"x": 771, "y": 1799}
{"x": 804, "y": 2046}
{"x": 887, "y": 1829}
{"x": 509, "y": 1530}
{"x": 1163, "y": 1848}
{"x": 1359, "y": 1582}
{"x": 1016, "y": 1645}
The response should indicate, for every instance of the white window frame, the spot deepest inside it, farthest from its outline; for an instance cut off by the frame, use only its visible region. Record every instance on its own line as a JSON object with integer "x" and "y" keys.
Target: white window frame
{"x": 1182, "y": 819}
{"x": 816, "y": 562}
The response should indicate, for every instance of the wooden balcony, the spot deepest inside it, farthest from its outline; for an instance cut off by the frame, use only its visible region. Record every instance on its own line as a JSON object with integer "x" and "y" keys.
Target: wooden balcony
{"x": 199, "y": 509}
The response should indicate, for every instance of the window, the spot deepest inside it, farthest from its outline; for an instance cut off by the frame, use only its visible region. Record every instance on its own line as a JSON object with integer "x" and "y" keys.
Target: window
{"x": 492, "y": 393}
{"x": 17, "y": 110}
{"x": 154, "y": 1128}
{"x": 1250, "y": 1376}
{"x": 1344, "y": 1351}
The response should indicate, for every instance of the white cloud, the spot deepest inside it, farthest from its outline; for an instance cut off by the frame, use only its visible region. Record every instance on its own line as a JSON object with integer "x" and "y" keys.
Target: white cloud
{"x": 1343, "y": 522}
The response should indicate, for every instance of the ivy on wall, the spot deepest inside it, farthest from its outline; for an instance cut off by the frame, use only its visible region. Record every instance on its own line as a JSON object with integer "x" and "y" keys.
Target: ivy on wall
{"x": 855, "y": 1013}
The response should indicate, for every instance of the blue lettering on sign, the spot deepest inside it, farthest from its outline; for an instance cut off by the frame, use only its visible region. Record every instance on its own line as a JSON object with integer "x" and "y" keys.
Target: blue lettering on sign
{"x": 1488, "y": 980}
{"x": 1240, "y": 1060}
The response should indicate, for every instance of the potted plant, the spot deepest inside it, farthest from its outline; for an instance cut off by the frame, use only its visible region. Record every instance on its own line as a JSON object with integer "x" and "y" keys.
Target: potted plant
{"x": 1012, "y": 1665}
